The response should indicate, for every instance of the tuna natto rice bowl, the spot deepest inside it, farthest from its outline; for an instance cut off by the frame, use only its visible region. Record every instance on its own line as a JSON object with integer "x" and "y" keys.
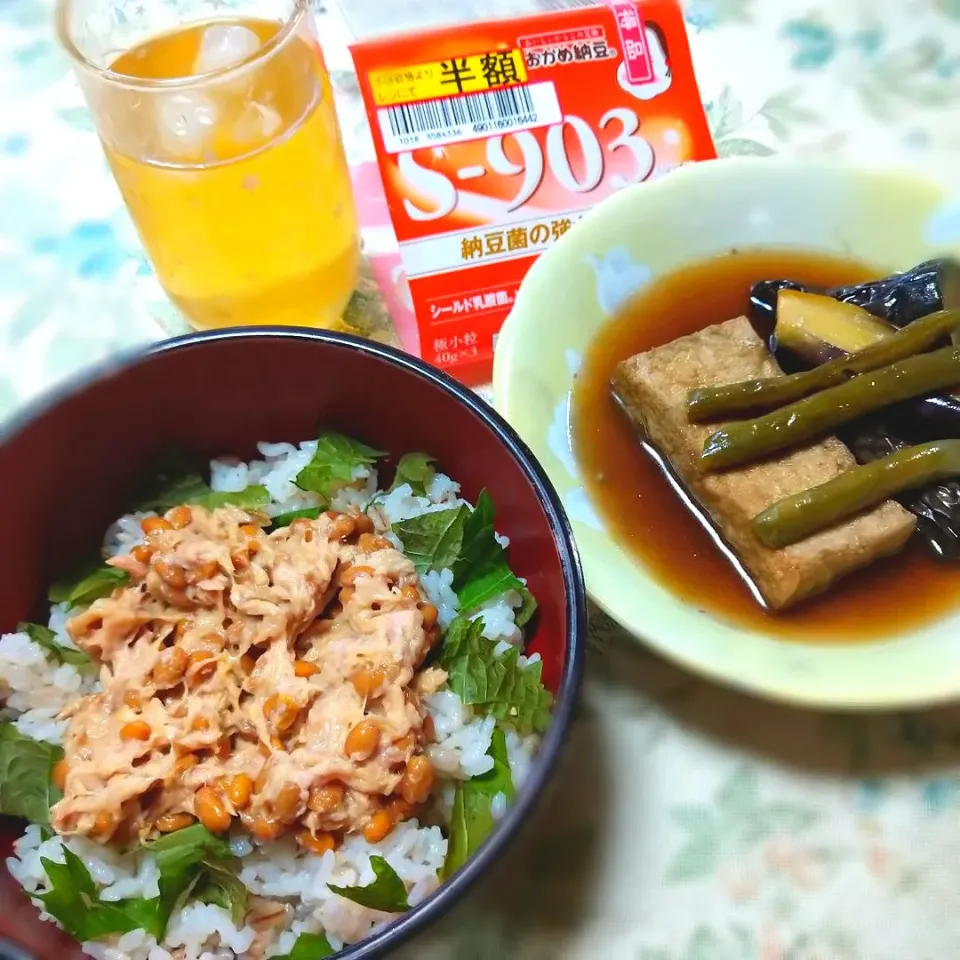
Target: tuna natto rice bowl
{"x": 288, "y": 703}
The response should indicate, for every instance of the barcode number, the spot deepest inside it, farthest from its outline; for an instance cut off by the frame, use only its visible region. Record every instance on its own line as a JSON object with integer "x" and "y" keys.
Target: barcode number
{"x": 489, "y": 107}
{"x": 408, "y": 126}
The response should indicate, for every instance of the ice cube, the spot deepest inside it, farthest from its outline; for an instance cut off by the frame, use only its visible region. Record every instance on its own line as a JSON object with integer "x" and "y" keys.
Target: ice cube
{"x": 225, "y": 46}
{"x": 256, "y": 124}
{"x": 184, "y": 121}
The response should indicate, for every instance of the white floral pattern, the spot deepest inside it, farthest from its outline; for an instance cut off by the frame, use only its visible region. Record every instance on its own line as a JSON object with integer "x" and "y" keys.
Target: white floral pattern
{"x": 688, "y": 823}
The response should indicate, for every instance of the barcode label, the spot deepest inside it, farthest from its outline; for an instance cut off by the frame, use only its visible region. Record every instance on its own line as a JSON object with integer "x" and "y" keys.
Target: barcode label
{"x": 409, "y": 126}
{"x": 554, "y": 5}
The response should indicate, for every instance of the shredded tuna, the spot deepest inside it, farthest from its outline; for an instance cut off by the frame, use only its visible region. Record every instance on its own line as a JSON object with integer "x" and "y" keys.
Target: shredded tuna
{"x": 267, "y": 918}
{"x": 235, "y": 665}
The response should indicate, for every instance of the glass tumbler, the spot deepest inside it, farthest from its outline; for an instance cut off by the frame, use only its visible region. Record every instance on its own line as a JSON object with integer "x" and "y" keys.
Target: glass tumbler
{"x": 218, "y": 121}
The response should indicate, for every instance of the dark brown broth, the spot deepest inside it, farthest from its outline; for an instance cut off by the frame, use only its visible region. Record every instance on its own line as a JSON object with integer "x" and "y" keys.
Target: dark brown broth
{"x": 647, "y": 517}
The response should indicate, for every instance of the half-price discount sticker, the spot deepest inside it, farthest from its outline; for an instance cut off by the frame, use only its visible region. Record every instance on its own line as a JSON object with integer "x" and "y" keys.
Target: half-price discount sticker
{"x": 457, "y": 75}
{"x": 494, "y": 139}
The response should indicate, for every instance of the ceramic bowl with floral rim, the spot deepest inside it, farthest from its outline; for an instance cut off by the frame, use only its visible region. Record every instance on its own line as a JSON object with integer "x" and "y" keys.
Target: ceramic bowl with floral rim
{"x": 698, "y": 212}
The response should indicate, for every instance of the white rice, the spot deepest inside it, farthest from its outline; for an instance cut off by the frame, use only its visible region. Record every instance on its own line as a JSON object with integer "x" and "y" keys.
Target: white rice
{"x": 460, "y": 750}
{"x": 121, "y": 537}
{"x": 438, "y": 586}
{"x": 497, "y": 614}
{"x": 60, "y": 613}
{"x": 520, "y": 754}
{"x": 401, "y": 504}
{"x": 192, "y": 927}
{"x": 278, "y": 471}
{"x": 189, "y": 930}
{"x": 35, "y": 688}
{"x": 283, "y": 870}
{"x": 498, "y": 619}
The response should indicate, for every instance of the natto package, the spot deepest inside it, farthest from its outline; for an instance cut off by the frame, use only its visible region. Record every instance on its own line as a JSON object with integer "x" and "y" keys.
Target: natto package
{"x": 494, "y": 138}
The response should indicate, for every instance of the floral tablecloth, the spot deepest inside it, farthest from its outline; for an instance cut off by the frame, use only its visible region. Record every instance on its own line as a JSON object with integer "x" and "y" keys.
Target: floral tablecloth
{"x": 689, "y": 822}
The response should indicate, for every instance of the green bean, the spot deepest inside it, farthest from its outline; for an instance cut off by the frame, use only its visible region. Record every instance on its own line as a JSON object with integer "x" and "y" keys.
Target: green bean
{"x": 716, "y": 403}
{"x": 796, "y": 423}
{"x": 800, "y": 516}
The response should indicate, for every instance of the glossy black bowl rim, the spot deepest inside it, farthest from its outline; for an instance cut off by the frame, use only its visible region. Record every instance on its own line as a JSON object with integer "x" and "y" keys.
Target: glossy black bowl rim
{"x": 545, "y": 763}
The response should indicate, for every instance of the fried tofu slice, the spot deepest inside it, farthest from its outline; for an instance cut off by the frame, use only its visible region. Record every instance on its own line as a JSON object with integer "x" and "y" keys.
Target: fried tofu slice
{"x": 652, "y": 388}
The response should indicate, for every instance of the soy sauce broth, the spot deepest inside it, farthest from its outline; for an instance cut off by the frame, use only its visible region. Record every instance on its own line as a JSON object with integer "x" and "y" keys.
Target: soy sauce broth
{"x": 648, "y": 519}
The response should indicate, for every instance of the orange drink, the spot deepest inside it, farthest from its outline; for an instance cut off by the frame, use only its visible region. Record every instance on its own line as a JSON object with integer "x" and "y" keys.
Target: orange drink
{"x": 223, "y": 138}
